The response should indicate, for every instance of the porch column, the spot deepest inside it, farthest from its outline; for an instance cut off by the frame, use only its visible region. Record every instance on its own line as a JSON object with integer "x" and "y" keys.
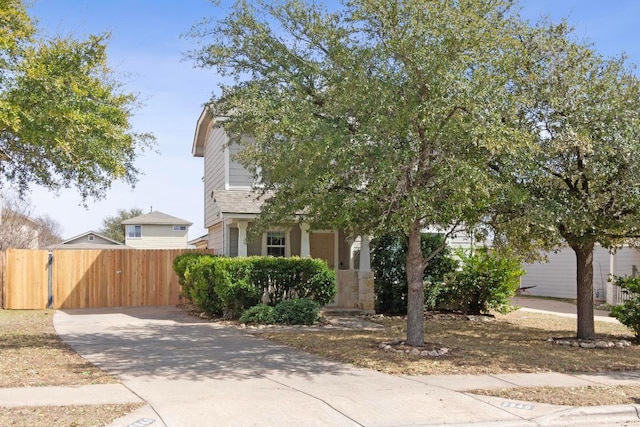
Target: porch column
{"x": 242, "y": 238}
{"x": 305, "y": 247}
{"x": 365, "y": 254}
{"x": 611, "y": 293}
{"x": 366, "y": 294}
{"x": 350, "y": 242}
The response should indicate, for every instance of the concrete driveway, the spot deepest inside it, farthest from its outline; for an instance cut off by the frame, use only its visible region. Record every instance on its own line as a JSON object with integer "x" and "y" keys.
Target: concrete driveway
{"x": 192, "y": 372}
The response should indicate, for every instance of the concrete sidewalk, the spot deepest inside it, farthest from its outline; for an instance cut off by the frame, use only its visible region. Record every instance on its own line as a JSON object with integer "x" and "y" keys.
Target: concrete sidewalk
{"x": 199, "y": 373}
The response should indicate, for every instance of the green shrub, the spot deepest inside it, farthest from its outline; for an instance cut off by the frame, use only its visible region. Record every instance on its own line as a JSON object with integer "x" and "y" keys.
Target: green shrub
{"x": 199, "y": 277}
{"x": 629, "y": 312}
{"x": 486, "y": 280}
{"x": 388, "y": 260}
{"x": 280, "y": 279}
{"x": 180, "y": 265}
{"x": 261, "y": 314}
{"x": 229, "y": 286}
{"x": 301, "y": 311}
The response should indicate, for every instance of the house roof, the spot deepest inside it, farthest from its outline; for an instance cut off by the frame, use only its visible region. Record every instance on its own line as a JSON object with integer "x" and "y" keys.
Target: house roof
{"x": 115, "y": 242}
{"x": 203, "y": 238}
{"x": 156, "y": 218}
{"x": 66, "y": 244}
{"x": 200, "y": 138}
{"x": 239, "y": 201}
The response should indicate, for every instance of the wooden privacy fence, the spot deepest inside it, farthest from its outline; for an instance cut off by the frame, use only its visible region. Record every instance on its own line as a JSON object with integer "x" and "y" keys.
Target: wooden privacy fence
{"x": 36, "y": 279}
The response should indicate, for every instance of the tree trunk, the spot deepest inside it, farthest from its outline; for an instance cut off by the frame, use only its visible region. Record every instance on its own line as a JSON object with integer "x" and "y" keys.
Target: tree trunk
{"x": 415, "y": 299}
{"x": 584, "y": 286}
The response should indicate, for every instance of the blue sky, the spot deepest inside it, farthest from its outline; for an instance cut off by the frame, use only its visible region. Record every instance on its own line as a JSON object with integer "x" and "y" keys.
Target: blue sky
{"x": 147, "y": 50}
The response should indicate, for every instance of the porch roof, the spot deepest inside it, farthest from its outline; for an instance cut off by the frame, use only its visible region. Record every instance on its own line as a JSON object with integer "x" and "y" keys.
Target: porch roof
{"x": 239, "y": 201}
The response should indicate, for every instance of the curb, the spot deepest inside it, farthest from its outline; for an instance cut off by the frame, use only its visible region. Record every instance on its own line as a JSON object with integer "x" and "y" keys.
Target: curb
{"x": 592, "y": 415}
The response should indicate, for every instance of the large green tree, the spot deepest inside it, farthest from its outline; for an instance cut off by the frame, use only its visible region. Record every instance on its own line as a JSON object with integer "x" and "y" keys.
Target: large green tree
{"x": 112, "y": 225}
{"x": 574, "y": 181}
{"x": 64, "y": 118}
{"x": 377, "y": 117}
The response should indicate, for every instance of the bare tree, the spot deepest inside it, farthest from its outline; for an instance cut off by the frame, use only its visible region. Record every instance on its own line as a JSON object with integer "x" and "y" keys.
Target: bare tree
{"x": 19, "y": 229}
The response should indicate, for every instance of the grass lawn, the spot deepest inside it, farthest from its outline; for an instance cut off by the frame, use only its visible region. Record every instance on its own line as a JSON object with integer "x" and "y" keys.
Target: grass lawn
{"x": 512, "y": 343}
{"x": 31, "y": 354}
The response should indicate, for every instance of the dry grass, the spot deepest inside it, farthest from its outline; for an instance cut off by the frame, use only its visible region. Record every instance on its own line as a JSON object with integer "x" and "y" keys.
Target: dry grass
{"x": 516, "y": 342}
{"x": 64, "y": 416}
{"x": 33, "y": 355}
{"x": 570, "y": 396}
{"x": 513, "y": 343}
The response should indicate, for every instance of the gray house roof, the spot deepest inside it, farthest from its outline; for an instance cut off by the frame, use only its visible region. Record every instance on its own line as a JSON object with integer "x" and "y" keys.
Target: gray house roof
{"x": 79, "y": 242}
{"x": 156, "y": 218}
{"x": 239, "y": 201}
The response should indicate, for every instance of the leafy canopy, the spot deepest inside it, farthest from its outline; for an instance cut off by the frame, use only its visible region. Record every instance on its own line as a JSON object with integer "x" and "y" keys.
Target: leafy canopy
{"x": 64, "y": 118}
{"x": 377, "y": 117}
{"x": 112, "y": 225}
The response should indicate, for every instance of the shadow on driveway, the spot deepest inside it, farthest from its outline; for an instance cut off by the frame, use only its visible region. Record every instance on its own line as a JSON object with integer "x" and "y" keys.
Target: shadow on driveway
{"x": 166, "y": 342}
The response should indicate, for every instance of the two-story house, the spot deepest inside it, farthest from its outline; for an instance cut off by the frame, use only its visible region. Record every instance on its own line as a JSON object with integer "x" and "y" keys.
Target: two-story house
{"x": 156, "y": 230}
{"x": 231, "y": 204}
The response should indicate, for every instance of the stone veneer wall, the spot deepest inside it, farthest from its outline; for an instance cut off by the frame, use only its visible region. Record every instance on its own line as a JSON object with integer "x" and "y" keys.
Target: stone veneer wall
{"x": 355, "y": 290}
{"x": 348, "y": 289}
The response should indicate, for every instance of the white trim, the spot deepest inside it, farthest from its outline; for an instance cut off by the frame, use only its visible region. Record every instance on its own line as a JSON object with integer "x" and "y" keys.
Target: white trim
{"x": 242, "y": 238}
{"x": 287, "y": 240}
{"x": 227, "y": 161}
{"x": 227, "y": 243}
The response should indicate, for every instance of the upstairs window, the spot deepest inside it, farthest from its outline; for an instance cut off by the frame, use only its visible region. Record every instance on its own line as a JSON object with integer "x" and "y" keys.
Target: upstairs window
{"x": 179, "y": 228}
{"x": 91, "y": 238}
{"x": 276, "y": 244}
{"x": 134, "y": 231}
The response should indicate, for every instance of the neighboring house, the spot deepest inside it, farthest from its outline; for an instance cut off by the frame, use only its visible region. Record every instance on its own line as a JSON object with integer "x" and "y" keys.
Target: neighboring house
{"x": 557, "y": 278}
{"x": 230, "y": 205}
{"x": 201, "y": 242}
{"x": 156, "y": 230}
{"x": 89, "y": 240}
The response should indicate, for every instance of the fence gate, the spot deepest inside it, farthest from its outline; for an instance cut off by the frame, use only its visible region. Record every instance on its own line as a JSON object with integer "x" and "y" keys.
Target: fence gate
{"x": 37, "y": 279}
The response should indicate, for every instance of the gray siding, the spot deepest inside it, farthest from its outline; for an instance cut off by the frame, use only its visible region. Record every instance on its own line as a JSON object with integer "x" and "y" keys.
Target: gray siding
{"x": 215, "y": 238}
{"x": 343, "y": 251}
{"x": 557, "y": 278}
{"x": 254, "y": 247}
{"x": 233, "y": 242}
{"x": 295, "y": 235}
{"x": 97, "y": 240}
{"x": 159, "y": 237}
{"x": 214, "y": 170}
{"x": 239, "y": 177}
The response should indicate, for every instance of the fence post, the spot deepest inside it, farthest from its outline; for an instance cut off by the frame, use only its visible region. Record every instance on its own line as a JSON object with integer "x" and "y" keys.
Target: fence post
{"x": 3, "y": 266}
{"x": 50, "y": 280}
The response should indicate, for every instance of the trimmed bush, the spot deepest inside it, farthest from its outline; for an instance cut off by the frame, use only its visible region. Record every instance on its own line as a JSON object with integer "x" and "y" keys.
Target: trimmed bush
{"x": 199, "y": 277}
{"x": 629, "y": 312}
{"x": 280, "y": 279}
{"x": 301, "y": 311}
{"x": 228, "y": 286}
{"x": 388, "y": 260}
{"x": 180, "y": 265}
{"x": 261, "y": 314}
{"x": 486, "y": 280}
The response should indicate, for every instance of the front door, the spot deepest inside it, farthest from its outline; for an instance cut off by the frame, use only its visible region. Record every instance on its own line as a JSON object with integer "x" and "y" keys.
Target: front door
{"x": 322, "y": 247}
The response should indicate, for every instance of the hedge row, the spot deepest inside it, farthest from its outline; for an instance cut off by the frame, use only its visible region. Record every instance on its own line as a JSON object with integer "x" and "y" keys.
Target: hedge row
{"x": 228, "y": 286}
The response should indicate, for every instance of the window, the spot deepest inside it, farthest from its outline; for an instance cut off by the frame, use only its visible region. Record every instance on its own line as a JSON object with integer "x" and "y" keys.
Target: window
{"x": 91, "y": 238}
{"x": 179, "y": 228}
{"x": 134, "y": 231}
{"x": 276, "y": 243}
